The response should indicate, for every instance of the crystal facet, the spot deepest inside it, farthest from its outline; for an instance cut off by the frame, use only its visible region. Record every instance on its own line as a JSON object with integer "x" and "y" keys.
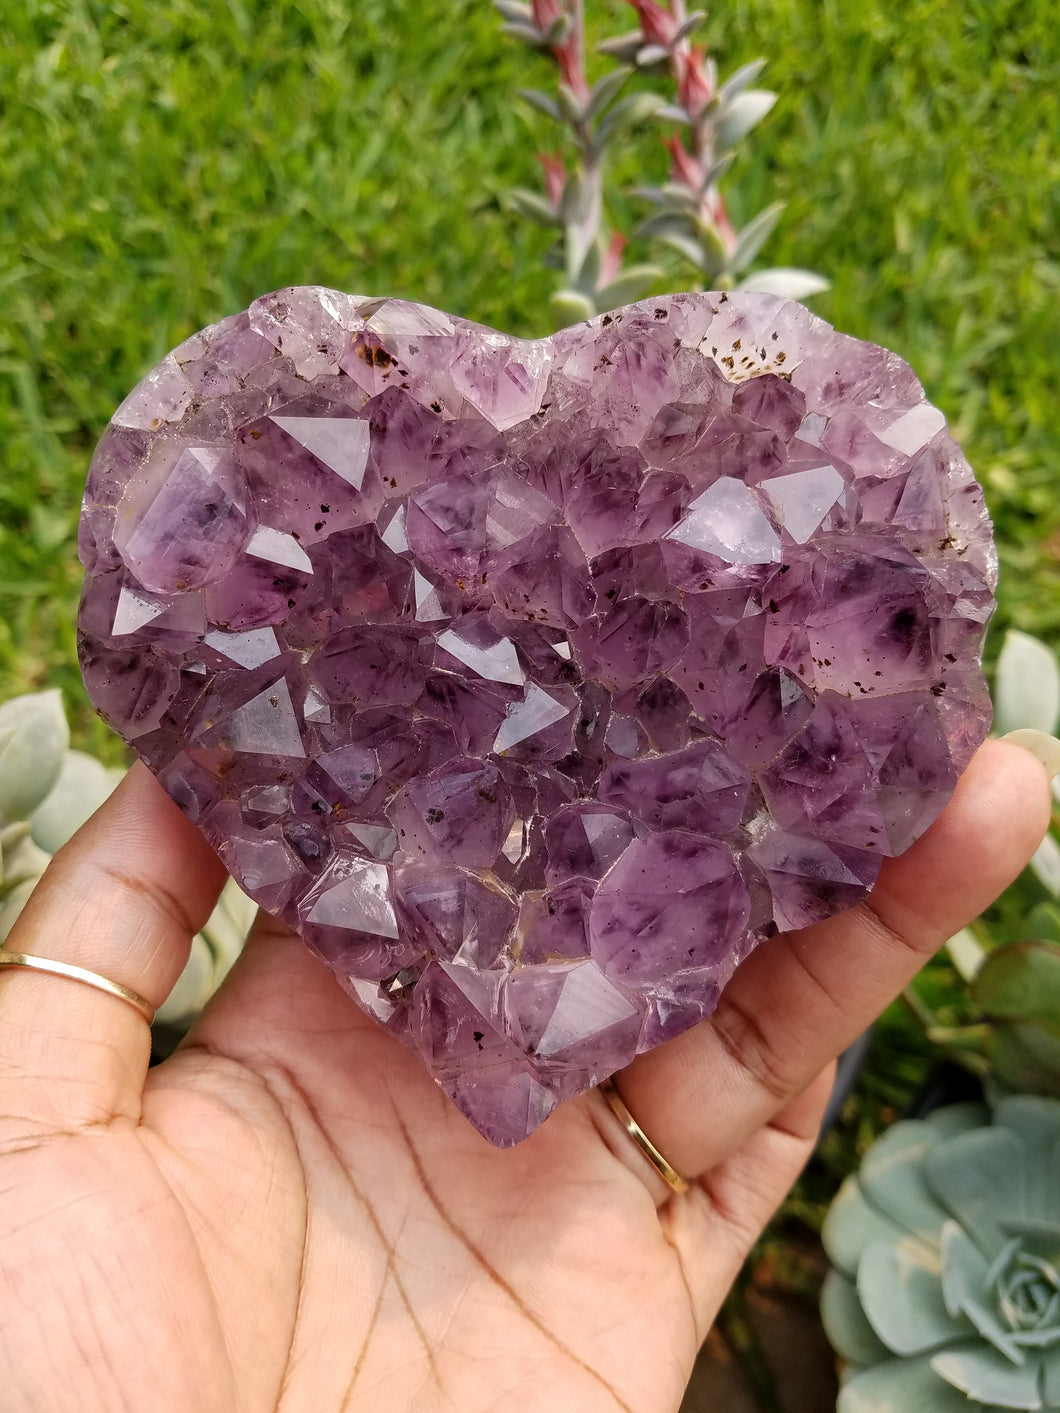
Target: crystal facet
{"x": 535, "y": 682}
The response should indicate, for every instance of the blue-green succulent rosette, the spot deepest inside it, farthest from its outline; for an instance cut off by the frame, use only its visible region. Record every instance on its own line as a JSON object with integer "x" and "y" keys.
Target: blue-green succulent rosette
{"x": 945, "y": 1296}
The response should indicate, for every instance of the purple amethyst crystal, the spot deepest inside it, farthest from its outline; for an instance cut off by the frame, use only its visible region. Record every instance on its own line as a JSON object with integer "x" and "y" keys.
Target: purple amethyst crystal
{"x": 534, "y": 682}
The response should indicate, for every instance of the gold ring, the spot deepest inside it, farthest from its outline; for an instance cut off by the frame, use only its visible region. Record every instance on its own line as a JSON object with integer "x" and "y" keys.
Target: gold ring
{"x": 90, "y": 978}
{"x": 665, "y": 1169}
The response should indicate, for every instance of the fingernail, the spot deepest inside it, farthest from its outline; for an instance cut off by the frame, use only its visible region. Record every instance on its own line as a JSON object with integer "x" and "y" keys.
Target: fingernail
{"x": 1043, "y": 747}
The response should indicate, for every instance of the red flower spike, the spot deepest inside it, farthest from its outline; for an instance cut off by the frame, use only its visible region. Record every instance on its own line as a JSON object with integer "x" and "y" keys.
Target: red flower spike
{"x": 657, "y": 24}
{"x": 694, "y": 90}
{"x": 569, "y": 58}
{"x": 612, "y": 261}
{"x": 555, "y": 177}
{"x": 546, "y": 13}
{"x": 683, "y": 166}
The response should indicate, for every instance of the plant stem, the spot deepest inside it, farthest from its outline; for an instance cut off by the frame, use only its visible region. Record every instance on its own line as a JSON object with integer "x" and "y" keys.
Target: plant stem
{"x": 921, "y": 1013}
{"x": 582, "y": 232}
{"x": 578, "y": 32}
{"x": 962, "y": 1045}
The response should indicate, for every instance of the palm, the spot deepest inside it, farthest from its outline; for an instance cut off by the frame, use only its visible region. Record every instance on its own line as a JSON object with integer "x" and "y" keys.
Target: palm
{"x": 302, "y": 1212}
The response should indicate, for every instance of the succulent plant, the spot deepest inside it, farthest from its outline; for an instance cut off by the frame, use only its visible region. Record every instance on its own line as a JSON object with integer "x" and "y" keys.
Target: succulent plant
{"x": 946, "y": 1291}
{"x": 34, "y": 738}
{"x": 1011, "y": 1039}
{"x": 1027, "y": 698}
{"x": 47, "y": 791}
{"x": 1017, "y": 989}
{"x": 690, "y": 216}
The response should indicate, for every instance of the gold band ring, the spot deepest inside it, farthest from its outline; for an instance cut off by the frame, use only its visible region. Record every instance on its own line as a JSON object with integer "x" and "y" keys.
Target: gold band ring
{"x": 665, "y": 1169}
{"x": 90, "y": 978}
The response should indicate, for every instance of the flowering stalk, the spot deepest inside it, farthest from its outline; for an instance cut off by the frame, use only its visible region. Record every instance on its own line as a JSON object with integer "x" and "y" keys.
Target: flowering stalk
{"x": 590, "y": 256}
{"x": 691, "y": 217}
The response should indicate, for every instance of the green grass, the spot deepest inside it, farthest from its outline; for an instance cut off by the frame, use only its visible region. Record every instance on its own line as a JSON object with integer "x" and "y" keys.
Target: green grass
{"x": 161, "y": 164}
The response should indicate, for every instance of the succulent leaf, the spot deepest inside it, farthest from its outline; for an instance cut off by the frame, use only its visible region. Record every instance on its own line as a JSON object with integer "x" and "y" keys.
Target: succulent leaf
{"x": 1051, "y": 1378}
{"x": 623, "y": 47}
{"x": 532, "y": 205}
{"x": 964, "y": 1268}
{"x": 83, "y": 784}
{"x": 604, "y": 91}
{"x": 1034, "y": 1230}
{"x": 655, "y": 194}
{"x": 571, "y": 307}
{"x": 1026, "y": 685}
{"x": 34, "y": 737}
{"x": 631, "y": 284}
{"x": 1041, "y": 745}
{"x": 1045, "y": 864}
{"x": 542, "y": 101}
{"x": 901, "y": 1386}
{"x": 664, "y": 223}
{"x": 1020, "y": 981}
{"x": 852, "y": 1224}
{"x": 681, "y": 197}
{"x": 742, "y": 113}
{"x": 690, "y": 25}
{"x": 974, "y": 1308}
{"x": 966, "y": 953}
{"x": 1026, "y": 1056}
{"x": 894, "y": 1181}
{"x": 685, "y": 246}
{"x": 900, "y": 1291}
{"x": 754, "y": 235}
{"x": 717, "y": 170}
{"x": 1036, "y": 1124}
{"x": 982, "y": 1373}
{"x": 528, "y": 34}
{"x": 740, "y": 79}
{"x": 572, "y": 201}
{"x": 789, "y": 284}
{"x": 953, "y": 1119}
{"x": 23, "y": 861}
{"x": 570, "y": 105}
{"x": 848, "y": 1330}
{"x": 650, "y": 54}
{"x": 515, "y": 10}
{"x": 978, "y": 1177}
{"x": 993, "y": 1331}
{"x": 1043, "y": 923}
{"x": 626, "y": 113}
{"x": 589, "y": 273}
{"x": 12, "y": 903}
{"x": 671, "y": 113}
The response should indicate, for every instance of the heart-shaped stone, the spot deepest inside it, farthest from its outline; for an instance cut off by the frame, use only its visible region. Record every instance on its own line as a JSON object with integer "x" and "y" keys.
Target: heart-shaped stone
{"x": 533, "y": 682}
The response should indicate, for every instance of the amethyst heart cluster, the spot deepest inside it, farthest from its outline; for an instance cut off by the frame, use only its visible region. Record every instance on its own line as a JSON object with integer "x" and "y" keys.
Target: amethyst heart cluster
{"x": 534, "y": 682}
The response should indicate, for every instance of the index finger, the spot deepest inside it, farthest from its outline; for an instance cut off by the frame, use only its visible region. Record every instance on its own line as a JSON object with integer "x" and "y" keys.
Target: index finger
{"x": 121, "y": 899}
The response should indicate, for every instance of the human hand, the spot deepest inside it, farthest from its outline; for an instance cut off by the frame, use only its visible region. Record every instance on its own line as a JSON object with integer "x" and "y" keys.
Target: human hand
{"x": 288, "y": 1214}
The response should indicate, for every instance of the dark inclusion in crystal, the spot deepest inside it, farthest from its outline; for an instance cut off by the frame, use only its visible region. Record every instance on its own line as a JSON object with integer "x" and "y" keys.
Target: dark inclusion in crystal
{"x": 534, "y": 682}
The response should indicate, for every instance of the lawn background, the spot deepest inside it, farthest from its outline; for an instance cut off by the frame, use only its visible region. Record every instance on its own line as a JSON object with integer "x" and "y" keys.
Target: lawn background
{"x": 161, "y": 164}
